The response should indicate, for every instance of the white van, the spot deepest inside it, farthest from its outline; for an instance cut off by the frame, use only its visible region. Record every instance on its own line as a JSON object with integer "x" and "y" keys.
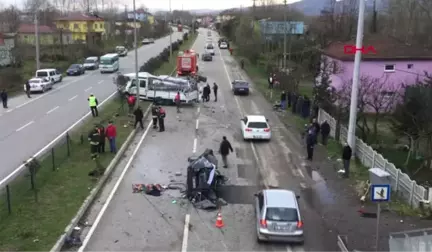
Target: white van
{"x": 91, "y": 63}
{"x": 109, "y": 63}
{"x": 53, "y": 74}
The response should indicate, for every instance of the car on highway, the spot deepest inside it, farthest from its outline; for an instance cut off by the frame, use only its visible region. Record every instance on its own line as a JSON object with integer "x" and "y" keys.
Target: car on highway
{"x": 206, "y": 57}
{"x": 109, "y": 63}
{"x": 121, "y": 51}
{"x": 240, "y": 87}
{"x": 51, "y": 73}
{"x": 39, "y": 85}
{"x": 75, "y": 69}
{"x": 91, "y": 63}
{"x": 223, "y": 45}
{"x": 146, "y": 41}
{"x": 255, "y": 127}
{"x": 209, "y": 48}
{"x": 278, "y": 216}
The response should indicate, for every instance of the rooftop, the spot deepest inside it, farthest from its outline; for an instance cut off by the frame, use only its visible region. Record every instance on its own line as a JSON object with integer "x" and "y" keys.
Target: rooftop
{"x": 30, "y": 28}
{"x": 79, "y": 17}
{"x": 387, "y": 48}
{"x": 280, "y": 198}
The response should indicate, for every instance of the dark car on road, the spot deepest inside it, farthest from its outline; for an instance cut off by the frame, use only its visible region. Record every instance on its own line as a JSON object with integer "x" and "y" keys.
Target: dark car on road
{"x": 207, "y": 57}
{"x": 240, "y": 87}
{"x": 75, "y": 69}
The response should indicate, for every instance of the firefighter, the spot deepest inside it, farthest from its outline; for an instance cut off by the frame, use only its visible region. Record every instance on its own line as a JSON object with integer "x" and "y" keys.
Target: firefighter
{"x": 162, "y": 115}
{"x": 155, "y": 114}
{"x": 94, "y": 138}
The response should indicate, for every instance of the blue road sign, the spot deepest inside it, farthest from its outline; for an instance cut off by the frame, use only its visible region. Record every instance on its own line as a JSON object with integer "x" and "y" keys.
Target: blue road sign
{"x": 380, "y": 193}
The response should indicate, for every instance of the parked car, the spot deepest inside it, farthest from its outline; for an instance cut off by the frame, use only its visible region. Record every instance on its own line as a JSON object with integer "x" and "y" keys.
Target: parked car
{"x": 207, "y": 57}
{"x": 121, "y": 51}
{"x": 91, "y": 63}
{"x": 146, "y": 41}
{"x": 40, "y": 84}
{"x": 223, "y": 45}
{"x": 51, "y": 73}
{"x": 255, "y": 127}
{"x": 278, "y": 216}
{"x": 75, "y": 69}
{"x": 240, "y": 87}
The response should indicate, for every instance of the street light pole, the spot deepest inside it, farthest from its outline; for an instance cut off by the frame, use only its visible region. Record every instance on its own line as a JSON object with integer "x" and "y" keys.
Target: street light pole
{"x": 36, "y": 23}
{"x": 137, "y": 82}
{"x": 285, "y": 36}
{"x": 356, "y": 76}
{"x": 171, "y": 52}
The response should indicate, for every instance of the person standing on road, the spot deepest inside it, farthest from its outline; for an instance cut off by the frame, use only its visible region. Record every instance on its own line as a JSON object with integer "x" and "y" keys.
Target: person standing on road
{"x": 310, "y": 143}
{"x": 346, "y": 158}
{"x": 93, "y": 103}
{"x": 270, "y": 81}
{"x": 162, "y": 115}
{"x": 207, "y": 92}
{"x": 316, "y": 126}
{"x": 4, "y": 98}
{"x": 111, "y": 134}
{"x": 283, "y": 100}
{"x": 224, "y": 149}
{"x": 155, "y": 115}
{"x": 139, "y": 115}
{"x": 177, "y": 101}
{"x": 94, "y": 139}
{"x": 27, "y": 89}
{"x": 325, "y": 132}
{"x": 102, "y": 138}
{"x": 215, "y": 90}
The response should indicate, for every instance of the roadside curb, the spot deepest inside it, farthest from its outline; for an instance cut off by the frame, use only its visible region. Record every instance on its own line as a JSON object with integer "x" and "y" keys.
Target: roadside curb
{"x": 95, "y": 191}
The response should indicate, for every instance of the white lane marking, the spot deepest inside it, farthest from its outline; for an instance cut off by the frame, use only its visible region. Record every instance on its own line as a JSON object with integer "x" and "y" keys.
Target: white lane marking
{"x": 194, "y": 148}
{"x": 198, "y": 110}
{"x": 301, "y": 173}
{"x": 21, "y": 167}
{"x": 52, "y": 110}
{"x": 185, "y": 233}
{"x": 88, "y": 89}
{"x": 114, "y": 190}
{"x": 197, "y": 124}
{"x": 9, "y": 110}
{"x": 24, "y": 126}
{"x": 303, "y": 185}
{"x": 100, "y": 82}
{"x": 72, "y": 98}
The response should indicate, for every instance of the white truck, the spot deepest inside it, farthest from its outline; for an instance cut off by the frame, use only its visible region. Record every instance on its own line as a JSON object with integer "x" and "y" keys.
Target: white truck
{"x": 162, "y": 88}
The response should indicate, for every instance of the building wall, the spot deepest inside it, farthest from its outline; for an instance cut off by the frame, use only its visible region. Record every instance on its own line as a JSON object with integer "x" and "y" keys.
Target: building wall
{"x": 29, "y": 38}
{"x": 80, "y": 29}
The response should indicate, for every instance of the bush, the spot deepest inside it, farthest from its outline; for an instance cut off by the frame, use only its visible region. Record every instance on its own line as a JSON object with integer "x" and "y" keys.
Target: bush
{"x": 11, "y": 79}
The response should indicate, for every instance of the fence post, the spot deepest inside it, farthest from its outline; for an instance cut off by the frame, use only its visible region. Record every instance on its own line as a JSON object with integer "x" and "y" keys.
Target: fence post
{"x": 396, "y": 180}
{"x": 68, "y": 143}
{"x": 411, "y": 197}
{"x": 8, "y": 199}
{"x": 53, "y": 159}
{"x": 32, "y": 169}
{"x": 373, "y": 159}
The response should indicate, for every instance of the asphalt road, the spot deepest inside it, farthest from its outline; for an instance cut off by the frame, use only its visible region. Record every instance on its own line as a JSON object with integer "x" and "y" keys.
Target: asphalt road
{"x": 124, "y": 221}
{"x": 30, "y": 124}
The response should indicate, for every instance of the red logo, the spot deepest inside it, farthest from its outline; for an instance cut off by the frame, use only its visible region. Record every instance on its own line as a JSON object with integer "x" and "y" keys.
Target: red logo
{"x": 351, "y": 49}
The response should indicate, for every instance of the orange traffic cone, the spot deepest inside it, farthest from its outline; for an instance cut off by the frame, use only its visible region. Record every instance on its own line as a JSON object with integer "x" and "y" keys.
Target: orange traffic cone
{"x": 219, "y": 221}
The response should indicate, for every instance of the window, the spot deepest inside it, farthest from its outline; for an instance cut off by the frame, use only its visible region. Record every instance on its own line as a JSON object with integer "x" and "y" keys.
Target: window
{"x": 52, "y": 73}
{"x": 257, "y": 125}
{"x": 409, "y": 66}
{"x": 101, "y": 25}
{"x": 281, "y": 214}
{"x": 75, "y": 26}
{"x": 260, "y": 201}
{"x": 41, "y": 74}
{"x": 142, "y": 83}
{"x": 389, "y": 68}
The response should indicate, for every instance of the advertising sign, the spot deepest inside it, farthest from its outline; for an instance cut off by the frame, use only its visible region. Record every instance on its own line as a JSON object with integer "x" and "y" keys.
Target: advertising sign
{"x": 279, "y": 28}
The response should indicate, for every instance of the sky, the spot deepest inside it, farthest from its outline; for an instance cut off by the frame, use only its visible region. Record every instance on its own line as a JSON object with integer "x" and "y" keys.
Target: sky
{"x": 175, "y": 4}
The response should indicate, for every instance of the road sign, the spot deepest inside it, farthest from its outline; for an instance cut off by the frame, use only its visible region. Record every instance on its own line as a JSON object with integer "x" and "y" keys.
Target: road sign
{"x": 380, "y": 193}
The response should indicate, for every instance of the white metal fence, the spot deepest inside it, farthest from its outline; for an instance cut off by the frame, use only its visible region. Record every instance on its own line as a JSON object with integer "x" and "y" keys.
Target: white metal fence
{"x": 408, "y": 189}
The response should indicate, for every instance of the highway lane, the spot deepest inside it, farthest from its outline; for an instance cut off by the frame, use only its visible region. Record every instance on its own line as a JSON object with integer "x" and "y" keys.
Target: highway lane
{"x": 29, "y": 124}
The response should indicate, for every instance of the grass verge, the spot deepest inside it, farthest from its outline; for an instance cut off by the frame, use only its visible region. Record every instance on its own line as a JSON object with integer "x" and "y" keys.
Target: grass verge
{"x": 62, "y": 185}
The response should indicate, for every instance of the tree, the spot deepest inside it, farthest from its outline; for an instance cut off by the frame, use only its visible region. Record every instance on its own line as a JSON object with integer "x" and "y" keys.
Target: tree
{"x": 11, "y": 17}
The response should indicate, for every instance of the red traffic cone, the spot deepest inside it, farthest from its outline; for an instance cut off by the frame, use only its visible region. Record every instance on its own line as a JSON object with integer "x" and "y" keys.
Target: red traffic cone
{"x": 219, "y": 221}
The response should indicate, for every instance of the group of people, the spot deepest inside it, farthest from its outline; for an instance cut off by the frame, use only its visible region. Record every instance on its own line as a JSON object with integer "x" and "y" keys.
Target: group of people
{"x": 207, "y": 91}
{"x": 299, "y": 104}
{"x": 158, "y": 117}
{"x": 98, "y": 136}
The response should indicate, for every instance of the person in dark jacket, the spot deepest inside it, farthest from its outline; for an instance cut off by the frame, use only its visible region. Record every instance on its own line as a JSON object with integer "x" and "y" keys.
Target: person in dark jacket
{"x": 155, "y": 115}
{"x": 162, "y": 115}
{"x": 283, "y": 100}
{"x": 316, "y": 126}
{"x": 224, "y": 150}
{"x": 102, "y": 139}
{"x": 206, "y": 93}
{"x": 310, "y": 143}
{"x": 346, "y": 157}
{"x": 289, "y": 97}
{"x": 27, "y": 89}
{"x": 139, "y": 115}
{"x": 94, "y": 138}
{"x": 325, "y": 132}
{"x": 4, "y": 98}
{"x": 215, "y": 90}
{"x": 294, "y": 103}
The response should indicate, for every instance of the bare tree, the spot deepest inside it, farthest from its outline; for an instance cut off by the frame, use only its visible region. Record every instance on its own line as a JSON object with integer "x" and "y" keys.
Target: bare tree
{"x": 10, "y": 18}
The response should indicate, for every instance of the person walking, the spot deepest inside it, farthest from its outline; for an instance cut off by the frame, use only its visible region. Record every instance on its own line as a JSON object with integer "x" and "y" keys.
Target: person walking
{"x": 346, "y": 158}
{"x": 325, "y": 132}
{"x": 310, "y": 143}
{"x": 27, "y": 89}
{"x": 4, "y": 98}
{"x": 224, "y": 149}
{"x": 270, "y": 81}
{"x": 111, "y": 134}
{"x": 131, "y": 100}
{"x": 94, "y": 139}
{"x": 93, "y": 103}
{"x": 283, "y": 100}
{"x": 155, "y": 115}
{"x": 102, "y": 138}
{"x": 215, "y": 90}
{"x": 177, "y": 101}
{"x": 162, "y": 115}
{"x": 139, "y": 115}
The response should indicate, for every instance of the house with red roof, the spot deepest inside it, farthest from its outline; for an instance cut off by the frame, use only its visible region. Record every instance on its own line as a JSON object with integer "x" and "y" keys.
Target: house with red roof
{"x": 83, "y": 27}
{"x": 26, "y": 34}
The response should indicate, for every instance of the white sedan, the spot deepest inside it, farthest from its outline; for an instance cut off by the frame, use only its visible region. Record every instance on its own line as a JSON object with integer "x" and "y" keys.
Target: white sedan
{"x": 223, "y": 45}
{"x": 39, "y": 85}
{"x": 255, "y": 127}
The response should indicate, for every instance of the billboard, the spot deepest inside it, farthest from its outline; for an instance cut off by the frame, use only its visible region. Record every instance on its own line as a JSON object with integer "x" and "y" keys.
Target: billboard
{"x": 279, "y": 28}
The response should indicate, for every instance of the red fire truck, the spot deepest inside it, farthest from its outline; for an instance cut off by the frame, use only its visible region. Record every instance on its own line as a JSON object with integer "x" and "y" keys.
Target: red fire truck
{"x": 187, "y": 63}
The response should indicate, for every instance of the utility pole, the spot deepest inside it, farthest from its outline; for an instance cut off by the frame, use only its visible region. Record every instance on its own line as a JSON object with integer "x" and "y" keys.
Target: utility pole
{"x": 138, "y": 85}
{"x": 170, "y": 30}
{"x": 285, "y": 36}
{"x": 356, "y": 74}
{"x": 37, "y": 41}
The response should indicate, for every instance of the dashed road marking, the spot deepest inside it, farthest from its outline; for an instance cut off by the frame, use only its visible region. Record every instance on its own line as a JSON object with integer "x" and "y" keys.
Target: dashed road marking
{"x": 194, "y": 148}
{"x": 88, "y": 89}
{"x": 24, "y": 126}
{"x": 52, "y": 110}
{"x": 100, "y": 82}
{"x": 9, "y": 110}
{"x": 197, "y": 124}
{"x": 73, "y": 98}
{"x": 186, "y": 233}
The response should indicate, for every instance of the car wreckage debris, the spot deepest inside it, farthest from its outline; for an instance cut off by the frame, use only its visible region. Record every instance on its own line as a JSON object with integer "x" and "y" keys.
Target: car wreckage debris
{"x": 157, "y": 189}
